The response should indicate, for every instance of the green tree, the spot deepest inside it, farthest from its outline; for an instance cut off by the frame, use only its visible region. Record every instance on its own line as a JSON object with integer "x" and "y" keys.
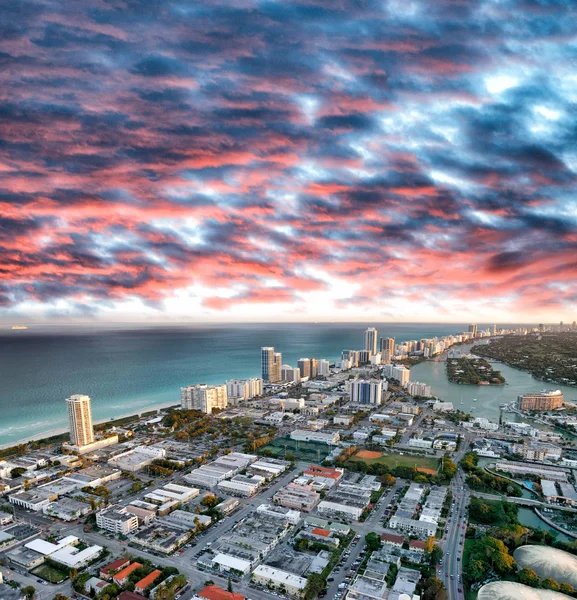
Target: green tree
{"x": 29, "y": 591}
{"x": 550, "y": 584}
{"x": 565, "y": 588}
{"x": 434, "y": 589}
{"x": 529, "y": 577}
{"x": 315, "y": 585}
{"x": 373, "y": 541}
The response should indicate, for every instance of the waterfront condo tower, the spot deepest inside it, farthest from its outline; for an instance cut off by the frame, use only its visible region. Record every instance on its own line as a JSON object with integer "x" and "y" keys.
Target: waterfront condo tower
{"x": 80, "y": 419}
{"x": 271, "y": 364}
{"x": 371, "y": 338}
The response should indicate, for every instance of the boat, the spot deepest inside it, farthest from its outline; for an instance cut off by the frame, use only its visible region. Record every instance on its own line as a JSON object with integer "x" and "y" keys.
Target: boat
{"x": 19, "y": 327}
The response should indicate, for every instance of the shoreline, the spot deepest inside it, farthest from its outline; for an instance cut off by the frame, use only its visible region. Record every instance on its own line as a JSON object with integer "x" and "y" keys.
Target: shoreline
{"x": 60, "y": 430}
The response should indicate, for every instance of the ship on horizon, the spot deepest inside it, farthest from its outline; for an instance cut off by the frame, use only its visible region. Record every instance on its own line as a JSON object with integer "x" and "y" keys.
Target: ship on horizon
{"x": 19, "y": 327}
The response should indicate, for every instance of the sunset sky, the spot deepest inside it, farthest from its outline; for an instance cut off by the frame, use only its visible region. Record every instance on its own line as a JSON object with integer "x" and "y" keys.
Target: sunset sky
{"x": 295, "y": 160}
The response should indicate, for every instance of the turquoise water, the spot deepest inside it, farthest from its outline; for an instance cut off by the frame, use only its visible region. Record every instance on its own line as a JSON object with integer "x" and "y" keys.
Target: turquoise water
{"x": 129, "y": 370}
{"x": 488, "y": 397}
{"x": 528, "y": 517}
{"x": 126, "y": 371}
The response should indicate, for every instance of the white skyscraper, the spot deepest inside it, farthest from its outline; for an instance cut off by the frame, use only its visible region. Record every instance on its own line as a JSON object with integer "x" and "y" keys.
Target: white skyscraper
{"x": 80, "y": 419}
{"x": 371, "y": 338}
{"x": 204, "y": 397}
{"x": 324, "y": 367}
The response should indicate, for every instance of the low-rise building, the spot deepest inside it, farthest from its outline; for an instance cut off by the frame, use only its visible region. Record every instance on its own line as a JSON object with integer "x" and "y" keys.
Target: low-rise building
{"x": 305, "y": 435}
{"x": 142, "y": 586}
{"x": 66, "y": 509}
{"x": 213, "y": 592}
{"x": 117, "y": 520}
{"x": 278, "y": 512}
{"x": 242, "y": 485}
{"x": 161, "y": 537}
{"x": 34, "y": 500}
{"x": 300, "y": 497}
{"x": 112, "y": 568}
{"x": 187, "y": 520}
{"x": 292, "y": 584}
{"x": 413, "y": 526}
{"x": 121, "y": 577}
{"x": 73, "y": 558}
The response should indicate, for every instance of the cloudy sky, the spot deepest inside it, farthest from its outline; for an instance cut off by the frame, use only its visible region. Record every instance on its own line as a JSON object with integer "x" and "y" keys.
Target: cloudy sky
{"x": 291, "y": 160}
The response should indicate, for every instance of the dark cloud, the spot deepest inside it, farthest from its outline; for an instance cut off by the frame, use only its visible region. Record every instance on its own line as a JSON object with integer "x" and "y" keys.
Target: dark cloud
{"x": 149, "y": 147}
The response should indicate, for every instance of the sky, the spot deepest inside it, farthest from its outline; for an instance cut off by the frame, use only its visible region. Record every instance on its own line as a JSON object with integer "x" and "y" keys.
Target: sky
{"x": 402, "y": 160}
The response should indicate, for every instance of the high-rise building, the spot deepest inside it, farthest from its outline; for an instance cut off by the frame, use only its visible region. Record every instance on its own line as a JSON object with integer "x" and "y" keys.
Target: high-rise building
{"x": 366, "y": 391}
{"x": 324, "y": 368}
{"x": 289, "y": 373}
{"x": 80, "y": 420}
{"x": 387, "y": 349}
{"x": 494, "y": 332}
{"x": 371, "y": 338}
{"x": 545, "y": 400}
{"x": 271, "y": 365}
{"x": 314, "y": 368}
{"x": 244, "y": 389}
{"x": 304, "y": 365}
{"x": 203, "y": 397}
{"x": 473, "y": 330}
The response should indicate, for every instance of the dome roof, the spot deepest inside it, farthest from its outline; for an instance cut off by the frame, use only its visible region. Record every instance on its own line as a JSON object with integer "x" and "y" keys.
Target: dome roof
{"x": 548, "y": 562}
{"x": 507, "y": 590}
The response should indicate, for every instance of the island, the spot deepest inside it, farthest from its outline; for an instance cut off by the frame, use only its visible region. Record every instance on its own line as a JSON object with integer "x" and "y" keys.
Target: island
{"x": 548, "y": 356}
{"x": 473, "y": 371}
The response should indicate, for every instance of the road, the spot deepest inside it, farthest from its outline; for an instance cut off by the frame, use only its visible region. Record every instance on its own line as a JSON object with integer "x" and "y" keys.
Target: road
{"x": 373, "y": 523}
{"x": 453, "y": 543}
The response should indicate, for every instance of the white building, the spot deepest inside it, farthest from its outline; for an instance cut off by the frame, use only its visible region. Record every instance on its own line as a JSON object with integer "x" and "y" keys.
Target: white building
{"x": 203, "y": 397}
{"x": 340, "y": 510}
{"x": 278, "y": 579}
{"x": 117, "y": 521}
{"x": 412, "y": 526}
{"x": 244, "y": 389}
{"x": 241, "y": 485}
{"x": 371, "y": 339}
{"x": 80, "y": 420}
{"x": 291, "y": 374}
{"x": 137, "y": 458}
{"x": 415, "y": 388}
{"x": 366, "y": 391}
{"x": 73, "y": 558}
{"x": 420, "y": 443}
{"x": 279, "y": 512}
{"x": 324, "y": 368}
{"x": 305, "y": 435}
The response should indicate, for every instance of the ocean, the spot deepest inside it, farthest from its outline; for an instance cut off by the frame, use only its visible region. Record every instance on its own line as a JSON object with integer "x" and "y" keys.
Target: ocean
{"x": 129, "y": 370}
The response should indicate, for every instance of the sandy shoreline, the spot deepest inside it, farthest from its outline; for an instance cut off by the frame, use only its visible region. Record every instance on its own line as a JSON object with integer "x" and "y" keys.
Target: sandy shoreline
{"x": 57, "y": 431}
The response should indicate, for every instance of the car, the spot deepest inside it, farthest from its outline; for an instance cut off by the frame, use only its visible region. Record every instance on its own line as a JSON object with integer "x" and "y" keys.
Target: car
{"x": 447, "y": 554}
{"x": 460, "y": 591}
{"x": 331, "y": 579}
{"x": 458, "y": 559}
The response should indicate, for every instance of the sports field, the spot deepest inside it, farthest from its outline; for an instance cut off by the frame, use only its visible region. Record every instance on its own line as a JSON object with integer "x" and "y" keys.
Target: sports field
{"x": 50, "y": 573}
{"x": 423, "y": 463}
{"x": 301, "y": 450}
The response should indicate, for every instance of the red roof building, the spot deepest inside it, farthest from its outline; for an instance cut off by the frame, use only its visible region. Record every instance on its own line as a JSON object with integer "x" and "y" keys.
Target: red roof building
{"x": 147, "y": 581}
{"x": 417, "y": 545}
{"x": 321, "y": 532}
{"x": 107, "y": 571}
{"x": 213, "y": 592}
{"x": 394, "y": 540}
{"x": 130, "y": 596}
{"x": 318, "y": 471}
{"x": 122, "y": 576}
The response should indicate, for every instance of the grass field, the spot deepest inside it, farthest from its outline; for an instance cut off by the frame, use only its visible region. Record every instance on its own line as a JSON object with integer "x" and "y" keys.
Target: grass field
{"x": 49, "y": 573}
{"x": 304, "y": 451}
{"x": 396, "y": 460}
